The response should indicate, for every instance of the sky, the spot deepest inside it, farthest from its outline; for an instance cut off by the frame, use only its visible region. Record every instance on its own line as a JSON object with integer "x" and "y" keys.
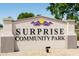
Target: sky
{"x": 14, "y": 9}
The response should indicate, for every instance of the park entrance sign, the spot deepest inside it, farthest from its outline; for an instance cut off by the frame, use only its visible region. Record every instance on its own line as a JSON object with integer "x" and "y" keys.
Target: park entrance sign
{"x": 37, "y": 33}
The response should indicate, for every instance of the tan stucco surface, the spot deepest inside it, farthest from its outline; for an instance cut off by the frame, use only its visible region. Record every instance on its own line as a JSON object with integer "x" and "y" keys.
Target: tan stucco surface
{"x": 38, "y": 47}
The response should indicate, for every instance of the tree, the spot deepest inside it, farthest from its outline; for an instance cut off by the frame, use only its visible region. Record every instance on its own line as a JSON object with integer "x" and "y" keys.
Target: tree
{"x": 59, "y": 10}
{"x": 25, "y": 15}
{"x": 38, "y": 14}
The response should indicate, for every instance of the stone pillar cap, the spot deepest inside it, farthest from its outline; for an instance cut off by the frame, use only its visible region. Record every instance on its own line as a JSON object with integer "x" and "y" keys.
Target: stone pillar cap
{"x": 8, "y": 20}
{"x": 69, "y": 20}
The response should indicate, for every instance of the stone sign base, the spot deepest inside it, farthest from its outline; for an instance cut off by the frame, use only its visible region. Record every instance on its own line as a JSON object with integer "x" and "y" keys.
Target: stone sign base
{"x": 7, "y": 44}
{"x": 72, "y": 42}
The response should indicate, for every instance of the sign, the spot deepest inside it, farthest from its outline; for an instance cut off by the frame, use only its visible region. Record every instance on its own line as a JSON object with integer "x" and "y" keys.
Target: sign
{"x": 37, "y": 33}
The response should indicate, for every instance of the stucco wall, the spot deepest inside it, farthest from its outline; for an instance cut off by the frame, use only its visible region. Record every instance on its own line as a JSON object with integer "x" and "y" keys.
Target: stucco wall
{"x": 10, "y": 27}
{"x": 26, "y": 45}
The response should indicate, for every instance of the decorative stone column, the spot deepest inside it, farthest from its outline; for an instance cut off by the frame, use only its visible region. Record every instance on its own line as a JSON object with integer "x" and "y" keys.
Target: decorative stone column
{"x": 71, "y": 34}
{"x": 7, "y": 38}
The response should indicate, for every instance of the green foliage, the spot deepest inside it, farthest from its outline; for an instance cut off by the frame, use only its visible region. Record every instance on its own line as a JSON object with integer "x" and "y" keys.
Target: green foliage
{"x": 77, "y": 32}
{"x": 38, "y": 14}
{"x": 77, "y": 25}
{"x": 25, "y": 15}
{"x": 60, "y": 9}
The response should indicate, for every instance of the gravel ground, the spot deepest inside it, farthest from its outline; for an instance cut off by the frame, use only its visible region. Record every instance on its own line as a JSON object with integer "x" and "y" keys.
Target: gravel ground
{"x": 53, "y": 52}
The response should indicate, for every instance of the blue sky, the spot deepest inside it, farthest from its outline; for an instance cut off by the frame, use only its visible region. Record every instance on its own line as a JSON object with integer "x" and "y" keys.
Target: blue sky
{"x": 14, "y": 9}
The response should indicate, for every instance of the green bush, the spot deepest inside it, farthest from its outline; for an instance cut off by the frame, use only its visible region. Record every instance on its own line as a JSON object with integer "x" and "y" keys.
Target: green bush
{"x": 77, "y": 31}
